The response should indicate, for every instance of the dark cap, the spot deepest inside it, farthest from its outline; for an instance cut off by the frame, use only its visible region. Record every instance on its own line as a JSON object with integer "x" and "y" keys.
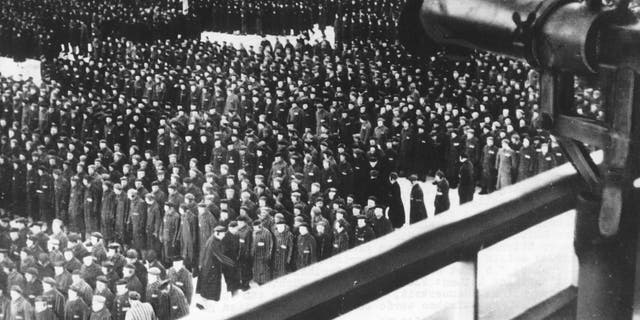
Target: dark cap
{"x": 133, "y": 295}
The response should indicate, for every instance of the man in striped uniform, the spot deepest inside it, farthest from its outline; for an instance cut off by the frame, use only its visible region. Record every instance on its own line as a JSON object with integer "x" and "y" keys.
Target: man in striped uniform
{"x": 20, "y": 308}
{"x": 261, "y": 250}
{"x": 139, "y": 310}
{"x": 283, "y": 248}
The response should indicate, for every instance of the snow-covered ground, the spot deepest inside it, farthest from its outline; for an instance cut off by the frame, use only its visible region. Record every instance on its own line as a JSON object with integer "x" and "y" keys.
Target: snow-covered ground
{"x": 31, "y": 68}
{"x": 23, "y": 70}
{"x": 254, "y": 40}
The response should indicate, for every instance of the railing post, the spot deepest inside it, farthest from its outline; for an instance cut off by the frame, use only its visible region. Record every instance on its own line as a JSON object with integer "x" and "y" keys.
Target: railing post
{"x": 467, "y": 303}
{"x": 601, "y": 275}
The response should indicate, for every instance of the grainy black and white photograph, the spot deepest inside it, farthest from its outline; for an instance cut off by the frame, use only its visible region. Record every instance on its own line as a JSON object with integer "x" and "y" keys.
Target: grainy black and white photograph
{"x": 319, "y": 159}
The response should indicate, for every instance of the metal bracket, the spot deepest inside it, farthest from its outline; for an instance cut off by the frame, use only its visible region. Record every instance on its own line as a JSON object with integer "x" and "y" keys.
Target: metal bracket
{"x": 615, "y": 139}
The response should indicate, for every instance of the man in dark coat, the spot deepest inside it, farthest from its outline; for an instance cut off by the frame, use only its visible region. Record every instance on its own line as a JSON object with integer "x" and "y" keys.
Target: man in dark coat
{"x": 441, "y": 202}
{"x": 108, "y": 211}
{"x": 188, "y": 237}
{"x": 341, "y": 236}
{"x": 32, "y": 187}
{"x": 42, "y": 310}
{"x": 133, "y": 283}
{"x": 55, "y": 299}
{"x": 526, "y": 160}
{"x": 76, "y": 308}
{"x": 181, "y": 277}
{"x": 132, "y": 259}
{"x": 152, "y": 293}
{"x": 76, "y": 206}
{"x": 99, "y": 309}
{"x": 381, "y": 225}
{"x": 121, "y": 214}
{"x": 62, "y": 276}
{"x": 90, "y": 270}
{"x": 455, "y": 149}
{"x": 467, "y": 184}
{"x": 33, "y": 286}
{"x": 206, "y": 223}
{"x": 396, "y": 207}
{"x": 102, "y": 289}
{"x": 305, "y": 253}
{"x": 324, "y": 241}
{"x": 137, "y": 220}
{"x": 231, "y": 248}
{"x": 91, "y": 207}
{"x": 545, "y": 159}
{"x": 169, "y": 233}
{"x": 153, "y": 223}
{"x": 173, "y": 303}
{"x": 45, "y": 193}
{"x": 210, "y": 278}
{"x": 244, "y": 232}
{"x": 85, "y": 292}
{"x": 363, "y": 233}
{"x": 121, "y": 304}
{"x": 61, "y": 195}
{"x": 417, "y": 210}
{"x": 489, "y": 174}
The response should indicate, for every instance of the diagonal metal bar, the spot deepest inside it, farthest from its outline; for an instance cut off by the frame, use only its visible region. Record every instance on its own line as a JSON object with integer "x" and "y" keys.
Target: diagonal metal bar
{"x": 582, "y": 162}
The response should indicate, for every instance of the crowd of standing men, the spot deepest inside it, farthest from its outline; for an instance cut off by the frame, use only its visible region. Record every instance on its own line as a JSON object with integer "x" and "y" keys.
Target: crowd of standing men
{"x": 173, "y": 158}
{"x": 42, "y": 29}
{"x": 351, "y": 19}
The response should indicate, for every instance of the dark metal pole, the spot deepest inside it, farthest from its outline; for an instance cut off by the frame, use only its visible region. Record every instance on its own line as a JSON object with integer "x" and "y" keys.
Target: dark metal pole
{"x": 598, "y": 282}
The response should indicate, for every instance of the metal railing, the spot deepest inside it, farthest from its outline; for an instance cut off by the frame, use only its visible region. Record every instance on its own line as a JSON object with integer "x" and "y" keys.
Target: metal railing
{"x": 346, "y": 281}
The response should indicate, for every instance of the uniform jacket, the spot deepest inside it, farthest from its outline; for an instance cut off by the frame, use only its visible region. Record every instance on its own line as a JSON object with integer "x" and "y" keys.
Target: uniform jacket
{"x": 183, "y": 280}
{"x": 417, "y": 210}
{"x": 20, "y": 309}
{"x": 396, "y": 207}
{"x": 108, "y": 214}
{"x": 91, "y": 208}
{"x": 188, "y": 237}
{"x": 340, "y": 242}
{"x": 103, "y": 314}
{"x": 261, "y": 251}
{"x": 76, "y": 209}
{"x": 364, "y": 234}
{"x": 140, "y": 311}
{"x": 283, "y": 251}
{"x": 305, "y": 251}
{"x": 169, "y": 234}
{"x": 76, "y": 310}
{"x": 138, "y": 220}
{"x": 506, "y": 162}
{"x": 441, "y": 201}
